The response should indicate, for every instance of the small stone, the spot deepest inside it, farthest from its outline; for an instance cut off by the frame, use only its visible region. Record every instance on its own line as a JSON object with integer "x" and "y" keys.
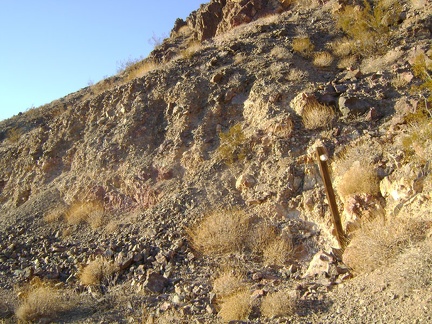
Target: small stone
{"x": 155, "y": 282}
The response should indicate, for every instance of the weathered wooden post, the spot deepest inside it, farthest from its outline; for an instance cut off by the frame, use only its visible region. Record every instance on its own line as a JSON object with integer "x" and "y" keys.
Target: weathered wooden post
{"x": 322, "y": 161}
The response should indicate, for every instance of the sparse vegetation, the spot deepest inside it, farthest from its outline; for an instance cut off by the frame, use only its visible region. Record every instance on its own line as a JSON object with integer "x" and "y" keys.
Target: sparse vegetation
{"x": 228, "y": 282}
{"x": 236, "y": 307}
{"x": 232, "y": 146}
{"x": 14, "y": 134}
{"x": 377, "y": 242}
{"x": 316, "y": 115}
{"x": 97, "y": 271}
{"x": 190, "y": 50}
{"x": 91, "y": 212}
{"x": 279, "y": 303}
{"x": 42, "y": 301}
{"x": 368, "y": 25}
{"x": 359, "y": 178}
{"x": 323, "y": 59}
{"x": 221, "y": 232}
{"x": 303, "y": 46}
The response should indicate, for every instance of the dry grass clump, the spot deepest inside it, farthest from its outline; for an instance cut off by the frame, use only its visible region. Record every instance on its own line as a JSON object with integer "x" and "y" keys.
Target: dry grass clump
{"x": 232, "y": 146}
{"x": 359, "y": 178}
{"x": 55, "y": 214}
{"x": 279, "y": 303}
{"x": 97, "y": 271}
{"x": 316, "y": 115}
{"x": 303, "y": 46}
{"x": 220, "y": 232}
{"x": 369, "y": 25}
{"x": 281, "y": 53}
{"x": 297, "y": 75}
{"x": 266, "y": 239}
{"x": 42, "y": 301}
{"x": 417, "y": 142}
{"x": 236, "y": 307}
{"x": 228, "y": 282}
{"x": 347, "y": 62}
{"x": 192, "y": 48}
{"x": 140, "y": 69}
{"x": 323, "y": 59}
{"x": 378, "y": 242}
{"x": 91, "y": 212}
{"x": 14, "y": 134}
{"x": 278, "y": 251}
{"x": 342, "y": 47}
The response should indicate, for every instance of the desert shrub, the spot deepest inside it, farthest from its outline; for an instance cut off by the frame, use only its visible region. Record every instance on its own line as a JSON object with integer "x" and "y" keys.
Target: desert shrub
{"x": 359, "y": 178}
{"x": 55, "y": 214}
{"x": 279, "y": 303}
{"x": 316, "y": 115}
{"x": 91, "y": 212}
{"x": 369, "y": 25}
{"x": 303, "y": 45}
{"x": 232, "y": 146}
{"x": 281, "y": 53}
{"x": 417, "y": 142}
{"x": 14, "y": 134}
{"x": 347, "y": 62}
{"x": 228, "y": 282}
{"x": 378, "y": 242}
{"x": 97, "y": 271}
{"x": 297, "y": 75}
{"x": 278, "y": 251}
{"x": 41, "y": 300}
{"x": 220, "y": 232}
{"x": 422, "y": 67}
{"x": 342, "y": 47}
{"x": 266, "y": 240}
{"x": 323, "y": 59}
{"x": 140, "y": 69}
{"x": 236, "y": 307}
{"x": 190, "y": 50}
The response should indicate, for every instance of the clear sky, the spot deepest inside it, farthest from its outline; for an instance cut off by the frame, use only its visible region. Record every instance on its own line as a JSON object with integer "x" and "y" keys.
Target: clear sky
{"x": 50, "y": 48}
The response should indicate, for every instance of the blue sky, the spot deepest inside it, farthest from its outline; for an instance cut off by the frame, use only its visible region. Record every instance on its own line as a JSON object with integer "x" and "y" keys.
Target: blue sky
{"x": 50, "y": 48}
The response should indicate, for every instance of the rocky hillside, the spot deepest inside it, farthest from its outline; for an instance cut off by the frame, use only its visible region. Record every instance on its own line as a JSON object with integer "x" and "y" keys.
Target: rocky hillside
{"x": 186, "y": 188}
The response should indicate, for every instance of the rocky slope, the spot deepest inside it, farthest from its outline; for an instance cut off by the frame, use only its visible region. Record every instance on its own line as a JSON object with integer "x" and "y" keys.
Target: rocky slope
{"x": 122, "y": 172}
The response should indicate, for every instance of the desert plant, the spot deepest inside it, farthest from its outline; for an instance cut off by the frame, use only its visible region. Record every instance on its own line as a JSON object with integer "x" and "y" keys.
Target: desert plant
{"x": 236, "y": 307}
{"x": 279, "y": 303}
{"x": 359, "y": 178}
{"x": 278, "y": 251}
{"x": 220, "y": 232}
{"x": 422, "y": 67}
{"x": 232, "y": 146}
{"x": 55, "y": 214}
{"x": 303, "y": 45}
{"x": 91, "y": 212}
{"x": 41, "y": 300}
{"x": 97, "y": 271}
{"x": 417, "y": 141}
{"x": 378, "y": 242}
{"x": 347, "y": 62}
{"x": 14, "y": 134}
{"x": 281, "y": 53}
{"x": 316, "y": 115}
{"x": 140, "y": 69}
{"x": 190, "y": 50}
{"x": 228, "y": 282}
{"x": 323, "y": 59}
{"x": 369, "y": 25}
